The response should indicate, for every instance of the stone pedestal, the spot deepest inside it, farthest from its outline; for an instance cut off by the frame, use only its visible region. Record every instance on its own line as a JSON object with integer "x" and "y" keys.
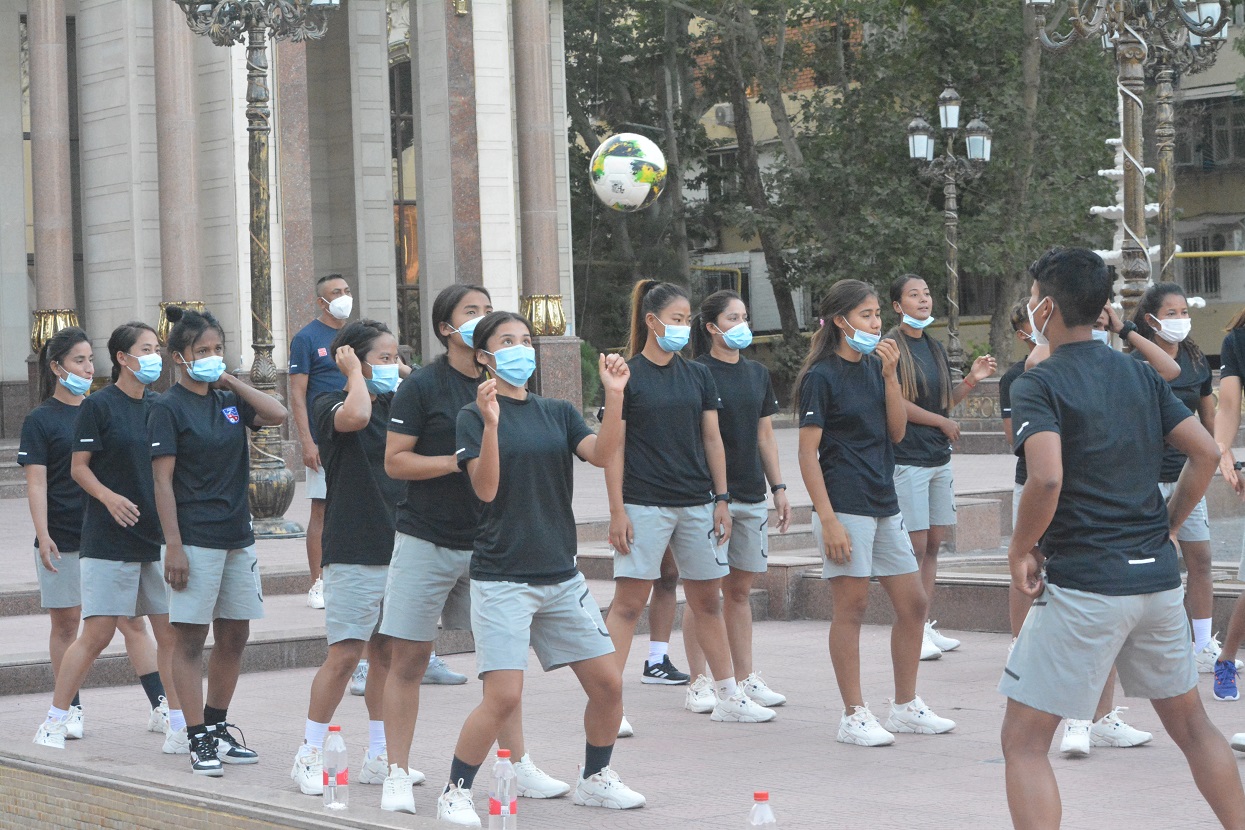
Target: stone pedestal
{"x": 557, "y": 369}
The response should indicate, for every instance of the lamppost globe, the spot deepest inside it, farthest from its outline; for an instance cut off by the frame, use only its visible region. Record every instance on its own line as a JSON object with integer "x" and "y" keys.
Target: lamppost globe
{"x": 949, "y": 109}
{"x": 979, "y": 140}
{"x": 920, "y": 140}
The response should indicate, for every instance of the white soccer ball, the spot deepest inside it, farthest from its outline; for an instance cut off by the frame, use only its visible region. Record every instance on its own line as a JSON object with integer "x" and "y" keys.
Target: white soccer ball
{"x": 628, "y": 172}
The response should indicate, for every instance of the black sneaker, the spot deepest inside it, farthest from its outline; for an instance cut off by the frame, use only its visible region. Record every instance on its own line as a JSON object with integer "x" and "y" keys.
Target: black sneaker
{"x": 664, "y": 673}
{"x": 203, "y": 757}
{"x": 229, "y": 748}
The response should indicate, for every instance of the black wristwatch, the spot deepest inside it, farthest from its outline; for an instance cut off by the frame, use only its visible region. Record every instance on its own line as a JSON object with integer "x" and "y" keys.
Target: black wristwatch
{"x": 726, "y": 497}
{"x": 1126, "y": 329}
{"x": 774, "y": 489}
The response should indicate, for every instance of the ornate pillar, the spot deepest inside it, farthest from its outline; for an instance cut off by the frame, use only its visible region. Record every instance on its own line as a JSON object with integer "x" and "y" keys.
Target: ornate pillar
{"x": 1165, "y": 141}
{"x": 1135, "y": 268}
{"x": 294, "y": 158}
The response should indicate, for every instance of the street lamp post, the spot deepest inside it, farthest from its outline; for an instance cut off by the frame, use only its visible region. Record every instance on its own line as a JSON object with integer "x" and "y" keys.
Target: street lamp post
{"x": 954, "y": 172}
{"x": 1141, "y": 31}
{"x": 227, "y": 23}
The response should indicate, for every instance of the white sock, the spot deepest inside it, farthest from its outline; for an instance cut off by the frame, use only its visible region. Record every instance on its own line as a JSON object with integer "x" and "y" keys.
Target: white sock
{"x": 725, "y": 688}
{"x": 432, "y": 657}
{"x": 657, "y": 652}
{"x": 55, "y": 714}
{"x": 176, "y": 720}
{"x": 315, "y": 733}
{"x": 375, "y": 738}
{"x": 1201, "y": 634}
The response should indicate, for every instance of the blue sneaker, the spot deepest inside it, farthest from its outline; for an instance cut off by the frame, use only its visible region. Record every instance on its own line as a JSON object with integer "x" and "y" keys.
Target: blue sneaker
{"x": 1225, "y": 680}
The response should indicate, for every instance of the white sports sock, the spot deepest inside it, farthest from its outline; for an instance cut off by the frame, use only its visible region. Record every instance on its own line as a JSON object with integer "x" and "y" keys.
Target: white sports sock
{"x": 315, "y": 733}
{"x": 657, "y": 652}
{"x": 725, "y": 689}
{"x": 432, "y": 656}
{"x": 177, "y": 720}
{"x": 55, "y": 714}
{"x": 1201, "y": 634}
{"x": 375, "y": 738}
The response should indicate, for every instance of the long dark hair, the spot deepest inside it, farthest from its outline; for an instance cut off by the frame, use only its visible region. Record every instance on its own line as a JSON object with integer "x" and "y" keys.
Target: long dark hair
{"x": 445, "y": 303}
{"x": 54, "y": 351}
{"x": 487, "y": 326}
{"x": 122, "y": 339}
{"x": 712, "y": 308}
{"x": 1149, "y": 304}
{"x": 912, "y": 382}
{"x": 840, "y": 300}
{"x": 359, "y": 335}
{"x": 648, "y": 297}
{"x": 188, "y": 326}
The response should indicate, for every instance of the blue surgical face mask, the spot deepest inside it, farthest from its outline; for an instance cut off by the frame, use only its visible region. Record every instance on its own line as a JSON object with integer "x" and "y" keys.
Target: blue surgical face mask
{"x": 917, "y": 324}
{"x": 1102, "y": 336}
{"x": 384, "y": 378}
{"x": 737, "y": 337}
{"x": 467, "y": 331}
{"x": 76, "y": 384}
{"x": 515, "y": 364}
{"x": 206, "y": 369}
{"x": 863, "y": 341}
{"x": 149, "y": 367}
{"x": 675, "y": 338}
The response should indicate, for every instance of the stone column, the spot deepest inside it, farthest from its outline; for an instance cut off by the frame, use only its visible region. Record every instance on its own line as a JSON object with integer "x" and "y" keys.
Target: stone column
{"x": 294, "y": 156}
{"x": 558, "y": 371}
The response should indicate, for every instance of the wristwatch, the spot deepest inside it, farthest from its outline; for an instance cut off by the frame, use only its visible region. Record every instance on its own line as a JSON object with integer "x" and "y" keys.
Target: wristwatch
{"x": 1128, "y": 327}
{"x": 774, "y": 490}
{"x": 726, "y": 497}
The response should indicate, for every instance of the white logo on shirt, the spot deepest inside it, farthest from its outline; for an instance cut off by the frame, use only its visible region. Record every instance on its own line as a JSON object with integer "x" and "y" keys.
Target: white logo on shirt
{"x": 460, "y": 451}
{"x": 20, "y": 452}
{"x": 397, "y": 421}
{"x": 1022, "y": 428}
{"x": 810, "y": 412}
{"x": 156, "y": 444}
{"x": 86, "y": 440}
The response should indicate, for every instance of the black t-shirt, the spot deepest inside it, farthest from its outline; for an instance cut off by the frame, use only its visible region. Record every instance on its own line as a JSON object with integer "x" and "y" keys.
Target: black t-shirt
{"x": 1232, "y": 355}
{"x": 47, "y": 441}
{"x": 361, "y": 500}
{"x": 112, "y": 426}
{"x": 747, "y": 396}
{"x": 1005, "y": 408}
{"x": 1193, "y": 384}
{"x": 207, "y": 433}
{"x": 1110, "y": 531}
{"x": 848, "y": 401}
{"x": 445, "y": 510}
{"x": 924, "y": 446}
{"x": 664, "y": 459}
{"x": 527, "y": 532}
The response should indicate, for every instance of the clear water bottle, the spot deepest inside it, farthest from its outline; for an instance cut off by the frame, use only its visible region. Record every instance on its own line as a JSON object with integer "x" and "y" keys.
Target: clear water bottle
{"x": 761, "y": 815}
{"x": 503, "y": 805}
{"x": 336, "y": 770}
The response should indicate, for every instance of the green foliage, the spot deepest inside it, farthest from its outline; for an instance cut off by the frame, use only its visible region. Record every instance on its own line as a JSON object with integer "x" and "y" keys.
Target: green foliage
{"x": 590, "y": 382}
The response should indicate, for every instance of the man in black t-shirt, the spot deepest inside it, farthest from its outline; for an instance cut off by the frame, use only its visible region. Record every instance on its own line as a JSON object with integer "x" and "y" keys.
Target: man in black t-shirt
{"x": 1112, "y": 589}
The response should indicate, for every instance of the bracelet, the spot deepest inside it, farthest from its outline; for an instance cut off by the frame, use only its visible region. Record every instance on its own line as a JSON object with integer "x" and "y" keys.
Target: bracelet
{"x": 969, "y": 383}
{"x": 774, "y": 490}
{"x": 720, "y": 497}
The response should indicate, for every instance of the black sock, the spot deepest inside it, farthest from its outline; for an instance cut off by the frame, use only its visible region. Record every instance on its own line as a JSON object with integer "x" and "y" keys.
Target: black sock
{"x": 212, "y": 715}
{"x": 191, "y": 731}
{"x": 77, "y": 701}
{"x": 460, "y": 771}
{"x": 596, "y": 758}
{"x": 153, "y": 687}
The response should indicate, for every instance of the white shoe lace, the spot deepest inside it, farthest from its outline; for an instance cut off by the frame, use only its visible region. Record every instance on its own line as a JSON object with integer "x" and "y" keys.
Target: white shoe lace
{"x": 861, "y": 717}
{"x": 458, "y": 799}
{"x": 1077, "y": 727}
{"x": 1112, "y": 719}
{"x": 529, "y": 770}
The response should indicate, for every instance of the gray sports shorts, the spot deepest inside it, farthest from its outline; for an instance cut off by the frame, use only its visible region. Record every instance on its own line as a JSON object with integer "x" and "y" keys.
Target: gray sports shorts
{"x": 1071, "y": 638}
{"x": 1017, "y": 491}
{"x": 926, "y": 496}
{"x": 748, "y": 548}
{"x": 426, "y": 583}
{"x": 353, "y": 595}
{"x": 62, "y": 589}
{"x": 688, "y": 531}
{"x": 561, "y": 623}
{"x": 317, "y": 485}
{"x": 123, "y": 589}
{"x": 880, "y": 547}
{"x": 223, "y": 585}
{"x": 1196, "y": 528}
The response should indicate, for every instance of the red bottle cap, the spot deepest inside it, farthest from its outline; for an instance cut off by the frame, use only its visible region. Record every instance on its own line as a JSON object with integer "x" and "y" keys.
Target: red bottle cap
{"x": 760, "y": 796}
{"x": 335, "y": 729}
{"x": 503, "y": 753}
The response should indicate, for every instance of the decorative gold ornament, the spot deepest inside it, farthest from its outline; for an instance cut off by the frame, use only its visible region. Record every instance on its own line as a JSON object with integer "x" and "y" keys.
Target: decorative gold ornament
{"x": 164, "y": 326}
{"x": 48, "y": 321}
{"x": 462, "y": 7}
{"x": 545, "y": 313}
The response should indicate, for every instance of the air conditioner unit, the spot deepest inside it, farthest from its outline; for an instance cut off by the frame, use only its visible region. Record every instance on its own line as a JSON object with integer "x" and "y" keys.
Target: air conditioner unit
{"x": 724, "y": 115}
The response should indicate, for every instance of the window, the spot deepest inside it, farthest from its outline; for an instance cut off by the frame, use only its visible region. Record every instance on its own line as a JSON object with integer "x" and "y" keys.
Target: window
{"x": 723, "y": 176}
{"x": 1201, "y": 275}
{"x": 1211, "y": 134}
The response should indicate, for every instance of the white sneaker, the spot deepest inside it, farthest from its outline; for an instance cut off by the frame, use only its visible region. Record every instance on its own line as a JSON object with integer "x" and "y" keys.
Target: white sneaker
{"x": 739, "y": 708}
{"x": 929, "y": 651}
{"x": 1207, "y": 656}
{"x": 73, "y": 726}
{"x": 862, "y": 728}
{"x": 1075, "y": 743}
{"x": 374, "y": 770}
{"x": 308, "y": 771}
{"x": 624, "y": 728}
{"x": 455, "y": 806}
{"x": 699, "y": 697}
{"x": 396, "y": 797}
{"x": 315, "y": 597}
{"x": 533, "y": 782}
{"x": 1111, "y": 731}
{"x": 158, "y": 720}
{"x": 1238, "y": 742}
{"x": 943, "y": 643}
{"x": 756, "y": 688}
{"x": 176, "y": 742}
{"x": 917, "y": 718}
{"x": 606, "y": 789}
{"x": 52, "y": 733}
{"x": 358, "y": 680}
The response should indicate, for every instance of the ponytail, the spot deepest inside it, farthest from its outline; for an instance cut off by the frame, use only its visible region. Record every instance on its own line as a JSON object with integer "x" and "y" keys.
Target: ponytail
{"x": 712, "y": 308}
{"x": 648, "y": 297}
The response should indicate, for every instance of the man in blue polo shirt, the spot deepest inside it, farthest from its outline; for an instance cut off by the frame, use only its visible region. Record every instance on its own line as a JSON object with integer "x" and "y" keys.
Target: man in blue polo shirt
{"x": 1092, "y": 424}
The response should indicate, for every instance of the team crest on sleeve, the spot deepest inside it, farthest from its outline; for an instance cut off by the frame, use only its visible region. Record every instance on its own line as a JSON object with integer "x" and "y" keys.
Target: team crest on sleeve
{"x": 231, "y": 414}
{"x": 322, "y": 352}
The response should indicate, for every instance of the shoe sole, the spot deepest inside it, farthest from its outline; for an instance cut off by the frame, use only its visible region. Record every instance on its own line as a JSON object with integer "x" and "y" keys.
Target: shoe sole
{"x": 427, "y": 682}
{"x": 178, "y": 751}
{"x": 908, "y": 729}
{"x": 664, "y": 681}
{"x": 1235, "y": 696}
{"x": 716, "y": 718}
{"x": 1239, "y": 746}
{"x": 701, "y": 709}
{"x": 1112, "y": 744}
{"x": 49, "y": 746}
{"x": 766, "y": 703}
{"x": 602, "y": 802}
{"x": 359, "y": 693}
{"x": 1074, "y": 752}
{"x": 402, "y": 808}
{"x": 239, "y": 761}
{"x": 848, "y": 739}
{"x": 932, "y": 657}
{"x": 527, "y": 792}
{"x": 948, "y": 648}
{"x": 210, "y": 773}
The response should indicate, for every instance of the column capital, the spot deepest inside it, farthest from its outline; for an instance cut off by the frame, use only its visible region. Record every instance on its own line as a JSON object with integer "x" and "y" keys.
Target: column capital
{"x": 546, "y": 314}
{"x": 48, "y": 321}
{"x": 163, "y": 327}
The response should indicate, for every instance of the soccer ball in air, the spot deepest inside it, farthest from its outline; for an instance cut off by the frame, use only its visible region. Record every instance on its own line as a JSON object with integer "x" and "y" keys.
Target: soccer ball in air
{"x": 628, "y": 172}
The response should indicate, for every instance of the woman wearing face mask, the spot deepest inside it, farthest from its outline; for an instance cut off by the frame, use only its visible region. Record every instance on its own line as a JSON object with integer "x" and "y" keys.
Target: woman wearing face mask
{"x": 668, "y": 486}
{"x": 853, "y": 412}
{"x": 201, "y": 465}
{"x": 120, "y": 540}
{"x": 719, "y": 333}
{"x": 56, "y": 508}
{"x": 518, "y": 450}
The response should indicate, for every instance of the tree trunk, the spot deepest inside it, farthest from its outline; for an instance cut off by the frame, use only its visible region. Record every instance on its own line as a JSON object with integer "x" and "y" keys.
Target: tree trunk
{"x": 769, "y": 77}
{"x": 618, "y": 222}
{"x": 674, "y": 166}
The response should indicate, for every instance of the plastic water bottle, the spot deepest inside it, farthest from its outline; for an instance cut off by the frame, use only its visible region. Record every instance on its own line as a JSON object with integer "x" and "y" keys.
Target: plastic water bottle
{"x": 503, "y": 805}
{"x": 336, "y": 770}
{"x": 761, "y": 815}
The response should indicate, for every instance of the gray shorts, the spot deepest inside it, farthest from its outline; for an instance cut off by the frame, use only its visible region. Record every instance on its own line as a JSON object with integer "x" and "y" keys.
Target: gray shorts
{"x": 317, "y": 484}
{"x": 1071, "y": 638}
{"x": 426, "y": 583}
{"x": 223, "y": 585}
{"x": 62, "y": 589}
{"x": 562, "y": 624}
{"x": 1196, "y": 528}
{"x": 1017, "y": 491}
{"x": 123, "y": 589}
{"x": 688, "y": 531}
{"x": 926, "y": 496}
{"x": 748, "y": 548}
{"x": 353, "y": 595}
{"x": 880, "y": 547}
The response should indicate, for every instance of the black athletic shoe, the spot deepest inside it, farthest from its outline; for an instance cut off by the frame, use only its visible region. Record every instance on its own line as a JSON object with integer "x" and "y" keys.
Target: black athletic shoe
{"x": 203, "y": 757}
{"x": 229, "y": 748}
{"x": 664, "y": 673}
